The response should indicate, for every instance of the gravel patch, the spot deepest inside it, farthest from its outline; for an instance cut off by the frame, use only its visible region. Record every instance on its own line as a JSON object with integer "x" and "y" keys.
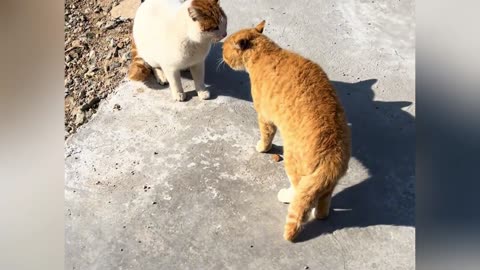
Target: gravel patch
{"x": 97, "y": 55}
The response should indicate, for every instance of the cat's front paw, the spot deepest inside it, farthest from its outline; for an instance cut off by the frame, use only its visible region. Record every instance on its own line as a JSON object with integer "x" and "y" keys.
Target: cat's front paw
{"x": 179, "y": 96}
{"x": 162, "y": 82}
{"x": 285, "y": 195}
{"x": 203, "y": 94}
{"x": 262, "y": 148}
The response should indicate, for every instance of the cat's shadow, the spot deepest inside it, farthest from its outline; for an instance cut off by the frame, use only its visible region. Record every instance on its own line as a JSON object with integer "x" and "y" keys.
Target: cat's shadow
{"x": 219, "y": 78}
{"x": 383, "y": 141}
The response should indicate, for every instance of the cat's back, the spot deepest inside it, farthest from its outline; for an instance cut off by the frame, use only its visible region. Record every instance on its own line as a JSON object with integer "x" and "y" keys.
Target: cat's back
{"x": 155, "y": 29}
{"x": 156, "y": 11}
{"x": 288, "y": 78}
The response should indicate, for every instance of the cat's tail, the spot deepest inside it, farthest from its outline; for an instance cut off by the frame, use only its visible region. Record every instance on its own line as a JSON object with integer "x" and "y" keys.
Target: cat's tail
{"x": 139, "y": 69}
{"x": 310, "y": 188}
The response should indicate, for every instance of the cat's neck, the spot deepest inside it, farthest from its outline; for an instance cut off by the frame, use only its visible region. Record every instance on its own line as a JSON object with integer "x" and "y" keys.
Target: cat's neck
{"x": 264, "y": 48}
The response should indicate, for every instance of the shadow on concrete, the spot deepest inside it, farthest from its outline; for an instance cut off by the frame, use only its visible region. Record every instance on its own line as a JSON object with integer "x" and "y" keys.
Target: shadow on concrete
{"x": 221, "y": 80}
{"x": 383, "y": 140}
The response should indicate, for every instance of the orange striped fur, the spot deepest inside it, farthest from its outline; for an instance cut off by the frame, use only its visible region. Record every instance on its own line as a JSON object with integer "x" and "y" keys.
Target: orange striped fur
{"x": 294, "y": 95}
{"x": 139, "y": 69}
{"x": 207, "y": 12}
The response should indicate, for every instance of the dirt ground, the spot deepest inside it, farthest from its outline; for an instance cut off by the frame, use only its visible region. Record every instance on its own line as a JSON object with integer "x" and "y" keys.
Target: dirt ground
{"x": 97, "y": 54}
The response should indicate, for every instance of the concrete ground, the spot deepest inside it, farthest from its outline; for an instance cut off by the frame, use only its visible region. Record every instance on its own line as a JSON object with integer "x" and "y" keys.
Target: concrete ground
{"x": 166, "y": 185}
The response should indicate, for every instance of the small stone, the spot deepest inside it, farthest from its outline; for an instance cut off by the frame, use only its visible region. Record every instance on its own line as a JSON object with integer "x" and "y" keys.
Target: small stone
{"x": 91, "y": 54}
{"x": 90, "y": 35}
{"x": 114, "y": 65}
{"x": 92, "y": 68}
{"x": 111, "y": 25}
{"x": 117, "y": 107}
{"x": 79, "y": 117}
{"x": 89, "y": 74}
{"x": 154, "y": 203}
{"x": 306, "y": 267}
{"x": 73, "y": 55}
{"x": 276, "y": 157}
{"x": 76, "y": 43}
{"x": 126, "y": 56}
{"x": 98, "y": 183}
{"x": 155, "y": 153}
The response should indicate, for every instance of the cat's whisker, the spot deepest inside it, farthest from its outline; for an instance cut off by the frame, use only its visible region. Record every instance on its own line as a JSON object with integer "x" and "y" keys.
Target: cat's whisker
{"x": 219, "y": 63}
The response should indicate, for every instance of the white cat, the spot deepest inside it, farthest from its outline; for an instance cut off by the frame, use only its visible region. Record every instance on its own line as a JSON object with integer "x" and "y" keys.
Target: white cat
{"x": 170, "y": 36}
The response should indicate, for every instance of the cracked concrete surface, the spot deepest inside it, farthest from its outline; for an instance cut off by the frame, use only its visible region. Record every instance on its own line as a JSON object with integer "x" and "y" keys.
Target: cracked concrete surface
{"x": 164, "y": 185}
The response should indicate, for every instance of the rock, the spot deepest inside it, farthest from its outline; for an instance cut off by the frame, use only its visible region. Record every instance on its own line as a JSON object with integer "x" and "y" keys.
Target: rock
{"x": 126, "y": 9}
{"x": 90, "y": 104}
{"x": 76, "y": 43}
{"x": 92, "y": 68}
{"x": 115, "y": 52}
{"x": 114, "y": 65}
{"x": 276, "y": 157}
{"x": 89, "y": 113}
{"x": 74, "y": 55}
{"x": 91, "y": 55}
{"x": 126, "y": 56}
{"x": 117, "y": 107}
{"x": 90, "y": 35}
{"x": 79, "y": 117}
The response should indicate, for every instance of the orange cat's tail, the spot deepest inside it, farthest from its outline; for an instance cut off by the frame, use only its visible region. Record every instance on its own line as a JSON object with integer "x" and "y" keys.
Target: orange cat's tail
{"x": 311, "y": 188}
{"x": 139, "y": 69}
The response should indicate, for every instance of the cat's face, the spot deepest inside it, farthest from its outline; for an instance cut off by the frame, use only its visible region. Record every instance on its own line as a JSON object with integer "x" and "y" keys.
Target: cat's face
{"x": 237, "y": 46}
{"x": 208, "y": 20}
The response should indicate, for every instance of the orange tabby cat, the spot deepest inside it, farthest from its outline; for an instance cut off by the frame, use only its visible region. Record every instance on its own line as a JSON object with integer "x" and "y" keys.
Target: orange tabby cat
{"x": 293, "y": 94}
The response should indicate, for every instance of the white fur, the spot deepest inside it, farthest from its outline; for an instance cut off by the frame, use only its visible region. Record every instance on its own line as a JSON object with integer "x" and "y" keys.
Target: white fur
{"x": 168, "y": 39}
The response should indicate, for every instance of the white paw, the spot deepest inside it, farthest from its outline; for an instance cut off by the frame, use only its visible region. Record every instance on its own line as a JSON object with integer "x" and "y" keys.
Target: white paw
{"x": 162, "y": 81}
{"x": 203, "y": 94}
{"x": 179, "y": 96}
{"x": 261, "y": 148}
{"x": 285, "y": 195}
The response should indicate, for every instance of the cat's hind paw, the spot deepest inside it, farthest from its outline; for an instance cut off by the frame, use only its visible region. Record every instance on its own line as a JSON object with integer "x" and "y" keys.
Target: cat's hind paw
{"x": 285, "y": 195}
{"x": 203, "y": 94}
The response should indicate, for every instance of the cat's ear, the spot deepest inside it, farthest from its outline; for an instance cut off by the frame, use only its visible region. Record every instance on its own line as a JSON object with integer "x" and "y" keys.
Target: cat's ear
{"x": 194, "y": 13}
{"x": 260, "y": 26}
{"x": 242, "y": 44}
